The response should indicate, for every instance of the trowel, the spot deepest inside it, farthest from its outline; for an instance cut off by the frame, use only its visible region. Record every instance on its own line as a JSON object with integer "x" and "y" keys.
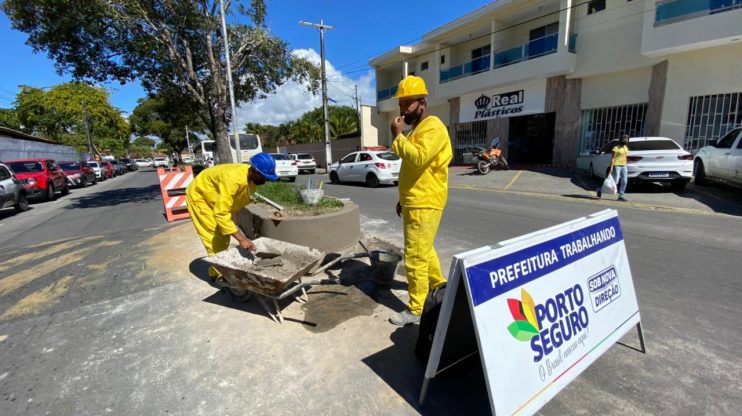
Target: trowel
{"x": 268, "y": 259}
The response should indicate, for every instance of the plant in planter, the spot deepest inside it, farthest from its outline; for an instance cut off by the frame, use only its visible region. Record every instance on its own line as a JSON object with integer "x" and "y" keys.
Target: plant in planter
{"x": 288, "y": 196}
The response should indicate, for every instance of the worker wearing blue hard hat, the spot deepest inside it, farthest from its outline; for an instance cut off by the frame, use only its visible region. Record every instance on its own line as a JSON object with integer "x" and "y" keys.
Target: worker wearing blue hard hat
{"x": 220, "y": 191}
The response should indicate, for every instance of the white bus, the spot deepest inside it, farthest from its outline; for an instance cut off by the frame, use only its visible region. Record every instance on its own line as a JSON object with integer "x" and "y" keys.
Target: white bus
{"x": 249, "y": 146}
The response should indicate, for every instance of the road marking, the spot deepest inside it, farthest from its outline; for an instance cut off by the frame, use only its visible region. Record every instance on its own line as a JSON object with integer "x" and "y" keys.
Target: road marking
{"x": 24, "y": 277}
{"x": 636, "y": 205}
{"x": 512, "y": 181}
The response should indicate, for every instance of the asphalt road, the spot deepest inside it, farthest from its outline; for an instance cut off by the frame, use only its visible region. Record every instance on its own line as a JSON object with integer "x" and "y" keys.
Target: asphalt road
{"x": 93, "y": 319}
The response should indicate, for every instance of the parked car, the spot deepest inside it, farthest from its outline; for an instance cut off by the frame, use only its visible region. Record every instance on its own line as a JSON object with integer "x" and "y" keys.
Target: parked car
{"x": 41, "y": 178}
{"x": 79, "y": 173}
{"x": 12, "y": 193}
{"x": 119, "y": 167}
{"x": 372, "y": 167}
{"x": 131, "y": 166}
{"x": 650, "y": 159}
{"x": 160, "y": 162}
{"x": 285, "y": 167}
{"x": 721, "y": 160}
{"x": 143, "y": 163}
{"x": 100, "y": 172}
{"x": 108, "y": 168}
{"x": 304, "y": 161}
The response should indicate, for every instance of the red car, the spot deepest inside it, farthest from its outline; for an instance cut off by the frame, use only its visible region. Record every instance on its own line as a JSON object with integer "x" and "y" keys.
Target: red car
{"x": 41, "y": 178}
{"x": 108, "y": 168}
{"x": 79, "y": 173}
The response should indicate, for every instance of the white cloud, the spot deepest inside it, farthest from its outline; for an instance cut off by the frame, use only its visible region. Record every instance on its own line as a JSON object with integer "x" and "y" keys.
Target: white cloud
{"x": 291, "y": 100}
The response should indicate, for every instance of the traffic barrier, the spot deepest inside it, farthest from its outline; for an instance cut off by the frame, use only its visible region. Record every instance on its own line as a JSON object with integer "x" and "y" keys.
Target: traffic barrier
{"x": 173, "y": 183}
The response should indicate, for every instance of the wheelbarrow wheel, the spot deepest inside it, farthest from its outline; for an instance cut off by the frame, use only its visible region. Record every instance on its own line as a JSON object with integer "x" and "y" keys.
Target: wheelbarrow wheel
{"x": 237, "y": 295}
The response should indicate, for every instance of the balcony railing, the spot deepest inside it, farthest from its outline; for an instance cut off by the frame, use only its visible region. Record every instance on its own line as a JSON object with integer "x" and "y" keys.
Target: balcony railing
{"x": 533, "y": 49}
{"x": 386, "y": 93}
{"x": 473, "y": 67}
{"x": 678, "y": 10}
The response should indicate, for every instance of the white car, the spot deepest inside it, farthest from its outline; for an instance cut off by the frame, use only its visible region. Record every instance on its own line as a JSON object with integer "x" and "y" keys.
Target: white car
{"x": 285, "y": 167}
{"x": 100, "y": 173}
{"x": 304, "y": 161}
{"x": 650, "y": 159}
{"x": 160, "y": 161}
{"x": 142, "y": 163}
{"x": 12, "y": 193}
{"x": 722, "y": 160}
{"x": 370, "y": 166}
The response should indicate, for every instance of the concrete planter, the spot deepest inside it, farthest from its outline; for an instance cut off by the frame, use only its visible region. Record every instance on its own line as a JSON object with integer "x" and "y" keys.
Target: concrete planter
{"x": 329, "y": 233}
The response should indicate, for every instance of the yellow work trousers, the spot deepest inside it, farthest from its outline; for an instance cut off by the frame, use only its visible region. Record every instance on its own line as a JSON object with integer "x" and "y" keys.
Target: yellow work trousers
{"x": 420, "y": 259}
{"x": 203, "y": 219}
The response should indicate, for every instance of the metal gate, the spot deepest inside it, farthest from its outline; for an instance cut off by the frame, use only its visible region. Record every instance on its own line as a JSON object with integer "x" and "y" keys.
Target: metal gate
{"x": 468, "y": 137}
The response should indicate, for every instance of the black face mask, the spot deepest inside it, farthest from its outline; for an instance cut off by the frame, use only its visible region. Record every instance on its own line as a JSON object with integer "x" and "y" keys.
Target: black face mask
{"x": 413, "y": 117}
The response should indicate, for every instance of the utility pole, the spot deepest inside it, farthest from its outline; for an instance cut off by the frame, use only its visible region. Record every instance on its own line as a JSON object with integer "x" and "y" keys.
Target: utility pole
{"x": 360, "y": 116}
{"x": 322, "y": 27}
{"x": 87, "y": 128}
{"x": 188, "y": 143}
{"x": 231, "y": 87}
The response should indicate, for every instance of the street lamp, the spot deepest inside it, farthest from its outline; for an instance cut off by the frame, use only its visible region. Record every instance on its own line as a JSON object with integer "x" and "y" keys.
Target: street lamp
{"x": 231, "y": 87}
{"x": 322, "y": 27}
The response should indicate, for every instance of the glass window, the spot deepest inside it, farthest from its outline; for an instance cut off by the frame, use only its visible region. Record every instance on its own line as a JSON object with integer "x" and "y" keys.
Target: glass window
{"x": 70, "y": 165}
{"x": 4, "y": 173}
{"x": 247, "y": 141}
{"x": 727, "y": 141}
{"x": 387, "y": 156}
{"x": 424, "y": 66}
{"x": 365, "y": 157}
{"x": 350, "y": 158}
{"x": 26, "y": 167}
{"x": 280, "y": 156}
{"x": 93, "y": 164}
{"x": 710, "y": 117}
{"x": 654, "y": 145}
{"x": 608, "y": 148}
{"x": 209, "y": 146}
{"x": 601, "y": 125}
{"x": 304, "y": 156}
{"x": 595, "y": 6}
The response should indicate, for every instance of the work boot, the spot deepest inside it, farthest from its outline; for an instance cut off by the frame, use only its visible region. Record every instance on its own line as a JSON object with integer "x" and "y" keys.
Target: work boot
{"x": 599, "y": 192}
{"x": 404, "y": 318}
{"x": 620, "y": 198}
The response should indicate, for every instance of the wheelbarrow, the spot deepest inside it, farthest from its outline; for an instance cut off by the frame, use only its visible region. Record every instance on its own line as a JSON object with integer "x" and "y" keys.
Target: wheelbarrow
{"x": 261, "y": 274}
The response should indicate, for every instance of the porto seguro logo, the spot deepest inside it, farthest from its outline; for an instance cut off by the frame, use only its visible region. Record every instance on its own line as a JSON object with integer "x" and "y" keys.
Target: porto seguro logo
{"x": 550, "y": 324}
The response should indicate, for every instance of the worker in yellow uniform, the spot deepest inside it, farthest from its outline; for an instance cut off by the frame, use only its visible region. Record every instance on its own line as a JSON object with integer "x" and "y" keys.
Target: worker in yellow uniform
{"x": 218, "y": 192}
{"x": 423, "y": 190}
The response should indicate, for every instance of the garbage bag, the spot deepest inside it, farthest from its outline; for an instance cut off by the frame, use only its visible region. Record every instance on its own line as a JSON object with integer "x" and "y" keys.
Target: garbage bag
{"x": 609, "y": 186}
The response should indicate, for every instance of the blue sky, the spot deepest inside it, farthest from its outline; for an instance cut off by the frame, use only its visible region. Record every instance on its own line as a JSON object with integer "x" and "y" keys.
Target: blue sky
{"x": 362, "y": 29}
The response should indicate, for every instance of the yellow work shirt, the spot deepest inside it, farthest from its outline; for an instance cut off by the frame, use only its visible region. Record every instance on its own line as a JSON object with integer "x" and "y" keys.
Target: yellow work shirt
{"x": 226, "y": 190}
{"x": 619, "y": 155}
{"x": 426, "y": 154}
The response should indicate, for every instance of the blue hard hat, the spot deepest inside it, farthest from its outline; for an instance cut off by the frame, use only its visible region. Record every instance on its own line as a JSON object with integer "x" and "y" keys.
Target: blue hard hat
{"x": 265, "y": 165}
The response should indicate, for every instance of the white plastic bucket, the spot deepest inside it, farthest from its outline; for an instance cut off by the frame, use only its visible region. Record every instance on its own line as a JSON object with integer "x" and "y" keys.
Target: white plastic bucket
{"x": 312, "y": 196}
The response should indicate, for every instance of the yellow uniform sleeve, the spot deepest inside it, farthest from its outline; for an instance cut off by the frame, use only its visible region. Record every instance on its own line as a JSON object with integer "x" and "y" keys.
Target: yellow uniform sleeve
{"x": 428, "y": 143}
{"x": 223, "y": 207}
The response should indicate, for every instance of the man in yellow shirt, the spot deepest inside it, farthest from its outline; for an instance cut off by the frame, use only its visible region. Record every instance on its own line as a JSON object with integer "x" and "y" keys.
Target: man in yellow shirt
{"x": 218, "y": 192}
{"x": 423, "y": 191}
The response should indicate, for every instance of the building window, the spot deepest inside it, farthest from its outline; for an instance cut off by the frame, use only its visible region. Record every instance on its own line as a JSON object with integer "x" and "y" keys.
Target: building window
{"x": 710, "y": 117}
{"x": 424, "y": 66}
{"x": 595, "y": 6}
{"x": 443, "y": 59}
{"x": 601, "y": 125}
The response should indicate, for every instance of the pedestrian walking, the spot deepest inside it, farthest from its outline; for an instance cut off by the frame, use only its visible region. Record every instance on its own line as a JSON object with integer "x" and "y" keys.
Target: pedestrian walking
{"x": 618, "y": 168}
{"x": 423, "y": 191}
{"x": 220, "y": 191}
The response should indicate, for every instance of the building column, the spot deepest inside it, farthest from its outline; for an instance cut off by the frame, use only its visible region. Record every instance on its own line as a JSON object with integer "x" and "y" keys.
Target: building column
{"x": 656, "y": 99}
{"x": 453, "y": 117}
{"x": 563, "y": 98}
{"x": 499, "y": 127}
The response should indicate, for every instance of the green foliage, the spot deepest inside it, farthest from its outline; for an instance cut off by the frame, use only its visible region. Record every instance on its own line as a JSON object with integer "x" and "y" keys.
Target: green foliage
{"x": 67, "y": 112}
{"x": 288, "y": 196}
{"x": 308, "y": 128}
{"x": 9, "y": 118}
{"x": 165, "y": 117}
{"x": 174, "y": 47}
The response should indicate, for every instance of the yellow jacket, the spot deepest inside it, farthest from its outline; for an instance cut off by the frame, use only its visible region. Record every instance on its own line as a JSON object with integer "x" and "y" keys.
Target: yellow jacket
{"x": 225, "y": 189}
{"x": 426, "y": 154}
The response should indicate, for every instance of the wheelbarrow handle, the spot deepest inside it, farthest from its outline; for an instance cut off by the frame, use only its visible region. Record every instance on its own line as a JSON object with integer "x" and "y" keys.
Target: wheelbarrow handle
{"x": 306, "y": 284}
{"x": 337, "y": 260}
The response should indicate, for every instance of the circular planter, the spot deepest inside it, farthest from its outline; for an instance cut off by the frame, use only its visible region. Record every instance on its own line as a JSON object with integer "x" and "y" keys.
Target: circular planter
{"x": 329, "y": 233}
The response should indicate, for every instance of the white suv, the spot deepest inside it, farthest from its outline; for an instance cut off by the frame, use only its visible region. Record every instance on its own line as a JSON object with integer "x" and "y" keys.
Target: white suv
{"x": 160, "y": 161}
{"x": 370, "y": 166}
{"x": 304, "y": 161}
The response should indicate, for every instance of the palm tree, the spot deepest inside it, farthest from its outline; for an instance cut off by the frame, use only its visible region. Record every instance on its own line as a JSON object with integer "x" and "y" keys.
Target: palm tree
{"x": 342, "y": 124}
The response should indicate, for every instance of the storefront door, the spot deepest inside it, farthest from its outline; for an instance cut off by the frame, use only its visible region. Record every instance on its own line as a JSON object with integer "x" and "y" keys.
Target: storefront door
{"x": 531, "y": 139}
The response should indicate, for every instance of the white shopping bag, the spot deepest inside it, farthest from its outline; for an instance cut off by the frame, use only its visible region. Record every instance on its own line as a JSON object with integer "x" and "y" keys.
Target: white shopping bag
{"x": 609, "y": 186}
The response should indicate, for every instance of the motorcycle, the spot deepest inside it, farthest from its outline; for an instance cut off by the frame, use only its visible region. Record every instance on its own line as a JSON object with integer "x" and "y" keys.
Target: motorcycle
{"x": 490, "y": 159}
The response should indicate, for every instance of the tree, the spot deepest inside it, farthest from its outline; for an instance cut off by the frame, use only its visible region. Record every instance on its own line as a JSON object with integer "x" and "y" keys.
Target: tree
{"x": 68, "y": 112}
{"x": 165, "y": 117}
{"x": 9, "y": 118}
{"x": 169, "y": 45}
{"x": 342, "y": 124}
{"x": 144, "y": 142}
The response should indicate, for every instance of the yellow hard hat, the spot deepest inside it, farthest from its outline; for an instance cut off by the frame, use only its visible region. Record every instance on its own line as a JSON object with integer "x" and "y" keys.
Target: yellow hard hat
{"x": 411, "y": 87}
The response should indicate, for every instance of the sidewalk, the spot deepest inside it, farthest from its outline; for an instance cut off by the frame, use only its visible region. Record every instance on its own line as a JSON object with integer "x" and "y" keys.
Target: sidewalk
{"x": 571, "y": 184}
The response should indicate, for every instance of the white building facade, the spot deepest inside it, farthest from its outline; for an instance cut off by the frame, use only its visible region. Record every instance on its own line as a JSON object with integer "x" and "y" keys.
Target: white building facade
{"x": 556, "y": 79}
